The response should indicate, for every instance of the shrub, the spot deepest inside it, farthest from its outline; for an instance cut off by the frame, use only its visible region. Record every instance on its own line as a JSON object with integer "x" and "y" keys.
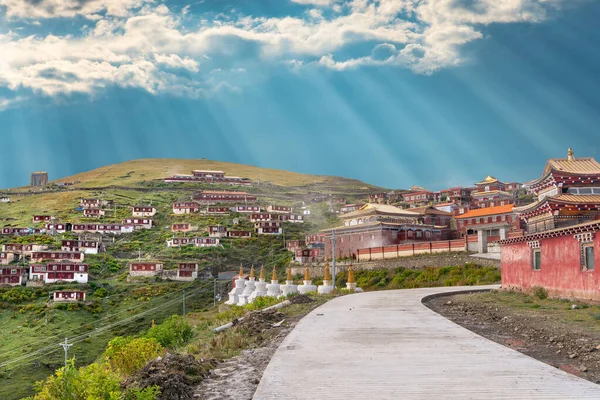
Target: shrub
{"x": 173, "y": 332}
{"x": 127, "y": 355}
{"x": 540, "y": 292}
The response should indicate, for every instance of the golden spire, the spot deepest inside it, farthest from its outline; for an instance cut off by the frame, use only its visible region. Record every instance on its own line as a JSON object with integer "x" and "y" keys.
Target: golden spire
{"x": 241, "y": 270}
{"x": 570, "y": 154}
{"x": 327, "y": 274}
{"x": 350, "y": 274}
{"x": 262, "y": 272}
{"x": 289, "y": 273}
{"x": 306, "y": 274}
{"x": 252, "y": 272}
{"x": 274, "y": 276}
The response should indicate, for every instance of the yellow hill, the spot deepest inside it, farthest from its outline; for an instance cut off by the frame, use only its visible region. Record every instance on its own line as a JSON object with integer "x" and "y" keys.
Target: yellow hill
{"x": 133, "y": 172}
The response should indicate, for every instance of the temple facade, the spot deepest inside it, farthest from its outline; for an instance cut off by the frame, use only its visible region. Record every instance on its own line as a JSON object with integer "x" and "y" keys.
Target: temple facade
{"x": 491, "y": 192}
{"x": 568, "y": 194}
{"x": 375, "y": 225}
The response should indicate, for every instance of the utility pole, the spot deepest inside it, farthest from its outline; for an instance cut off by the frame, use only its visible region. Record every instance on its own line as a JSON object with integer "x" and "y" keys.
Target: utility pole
{"x": 184, "y": 303}
{"x": 333, "y": 257}
{"x": 66, "y": 346}
{"x": 215, "y": 293}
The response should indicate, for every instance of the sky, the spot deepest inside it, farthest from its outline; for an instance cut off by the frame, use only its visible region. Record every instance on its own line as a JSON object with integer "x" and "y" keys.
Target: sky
{"x": 435, "y": 93}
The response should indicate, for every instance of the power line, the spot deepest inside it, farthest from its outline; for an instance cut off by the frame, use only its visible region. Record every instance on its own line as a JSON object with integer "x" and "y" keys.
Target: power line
{"x": 76, "y": 339}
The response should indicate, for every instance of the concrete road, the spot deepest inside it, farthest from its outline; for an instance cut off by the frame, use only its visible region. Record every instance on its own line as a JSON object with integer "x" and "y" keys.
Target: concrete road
{"x": 388, "y": 345}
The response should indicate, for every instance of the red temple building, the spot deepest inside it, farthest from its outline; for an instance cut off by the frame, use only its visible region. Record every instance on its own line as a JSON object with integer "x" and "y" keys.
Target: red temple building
{"x": 376, "y": 225}
{"x": 558, "y": 251}
{"x": 491, "y": 193}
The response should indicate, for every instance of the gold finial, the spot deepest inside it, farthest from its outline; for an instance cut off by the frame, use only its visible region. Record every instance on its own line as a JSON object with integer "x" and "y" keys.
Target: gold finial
{"x": 152, "y": 323}
{"x": 327, "y": 274}
{"x": 262, "y": 272}
{"x": 570, "y": 154}
{"x": 274, "y": 276}
{"x": 289, "y": 273}
{"x": 350, "y": 274}
{"x": 306, "y": 274}
{"x": 241, "y": 270}
{"x": 252, "y": 272}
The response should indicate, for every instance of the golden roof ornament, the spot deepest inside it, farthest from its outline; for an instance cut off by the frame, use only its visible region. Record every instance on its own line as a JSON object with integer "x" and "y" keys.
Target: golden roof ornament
{"x": 570, "y": 154}
{"x": 306, "y": 274}
{"x": 241, "y": 270}
{"x": 350, "y": 274}
{"x": 262, "y": 272}
{"x": 289, "y": 273}
{"x": 327, "y": 274}
{"x": 274, "y": 276}
{"x": 252, "y": 272}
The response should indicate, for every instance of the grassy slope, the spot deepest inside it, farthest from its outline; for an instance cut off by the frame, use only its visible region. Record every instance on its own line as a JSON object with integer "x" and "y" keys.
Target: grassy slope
{"x": 135, "y": 171}
{"x": 31, "y": 329}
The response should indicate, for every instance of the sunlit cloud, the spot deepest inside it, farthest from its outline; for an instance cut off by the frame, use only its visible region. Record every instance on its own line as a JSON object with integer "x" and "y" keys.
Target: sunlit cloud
{"x": 144, "y": 44}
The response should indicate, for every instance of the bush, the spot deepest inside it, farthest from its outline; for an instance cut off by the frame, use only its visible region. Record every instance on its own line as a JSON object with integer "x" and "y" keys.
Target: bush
{"x": 126, "y": 355}
{"x": 173, "y": 332}
{"x": 540, "y": 292}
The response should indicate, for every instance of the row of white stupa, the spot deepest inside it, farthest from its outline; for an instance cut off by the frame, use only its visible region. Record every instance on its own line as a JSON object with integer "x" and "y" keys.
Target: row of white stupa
{"x": 245, "y": 291}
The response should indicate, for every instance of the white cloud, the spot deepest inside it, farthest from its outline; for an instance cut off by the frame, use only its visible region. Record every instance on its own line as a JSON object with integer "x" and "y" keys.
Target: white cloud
{"x": 314, "y": 2}
{"x": 30, "y": 9}
{"x": 141, "y": 43}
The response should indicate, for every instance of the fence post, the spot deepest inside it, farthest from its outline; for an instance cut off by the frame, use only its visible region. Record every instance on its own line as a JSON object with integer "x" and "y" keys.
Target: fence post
{"x": 413, "y": 246}
{"x": 430, "y": 247}
{"x": 382, "y": 253}
{"x": 449, "y": 246}
{"x": 370, "y": 259}
{"x": 397, "y": 252}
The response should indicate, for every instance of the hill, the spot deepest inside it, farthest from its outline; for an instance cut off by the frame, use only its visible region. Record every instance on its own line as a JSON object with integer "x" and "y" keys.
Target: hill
{"x": 135, "y": 172}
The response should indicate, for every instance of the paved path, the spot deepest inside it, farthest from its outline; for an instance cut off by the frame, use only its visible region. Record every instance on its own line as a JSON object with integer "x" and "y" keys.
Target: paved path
{"x": 387, "y": 345}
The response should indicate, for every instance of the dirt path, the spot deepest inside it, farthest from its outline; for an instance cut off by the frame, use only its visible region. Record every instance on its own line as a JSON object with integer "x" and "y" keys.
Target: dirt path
{"x": 561, "y": 337}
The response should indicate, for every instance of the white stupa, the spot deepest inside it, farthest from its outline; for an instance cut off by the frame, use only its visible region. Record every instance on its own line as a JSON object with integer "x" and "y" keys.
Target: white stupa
{"x": 260, "y": 286}
{"x": 289, "y": 286}
{"x": 351, "y": 284}
{"x": 274, "y": 289}
{"x": 326, "y": 287}
{"x": 307, "y": 285}
{"x": 248, "y": 290}
{"x": 238, "y": 289}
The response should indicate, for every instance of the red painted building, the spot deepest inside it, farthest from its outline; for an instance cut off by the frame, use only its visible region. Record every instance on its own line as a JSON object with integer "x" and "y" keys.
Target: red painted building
{"x": 489, "y": 219}
{"x": 491, "y": 193}
{"x": 93, "y": 212}
{"x": 139, "y": 223}
{"x": 309, "y": 255}
{"x": 318, "y": 238}
{"x": 562, "y": 260}
{"x": 458, "y": 195}
{"x": 247, "y": 209}
{"x": 216, "y": 231}
{"x": 376, "y": 225}
{"x": 568, "y": 193}
{"x": 209, "y": 176}
{"x": 59, "y": 272}
{"x": 291, "y": 218}
{"x": 182, "y": 227}
{"x": 13, "y": 276}
{"x": 279, "y": 209}
{"x": 187, "y": 271}
{"x": 58, "y": 228}
{"x": 185, "y": 208}
{"x": 86, "y": 246}
{"x": 218, "y": 210}
{"x": 41, "y": 218}
{"x": 73, "y": 256}
{"x": 239, "y": 234}
{"x": 214, "y": 196}
{"x": 143, "y": 211}
{"x": 418, "y": 198}
{"x": 144, "y": 268}
{"x": 293, "y": 245}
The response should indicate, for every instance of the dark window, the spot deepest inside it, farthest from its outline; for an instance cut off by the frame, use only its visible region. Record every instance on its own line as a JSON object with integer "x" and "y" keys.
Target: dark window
{"x": 587, "y": 257}
{"x": 537, "y": 259}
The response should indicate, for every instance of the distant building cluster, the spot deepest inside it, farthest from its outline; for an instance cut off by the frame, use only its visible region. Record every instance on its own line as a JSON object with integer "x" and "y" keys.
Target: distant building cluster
{"x": 208, "y": 176}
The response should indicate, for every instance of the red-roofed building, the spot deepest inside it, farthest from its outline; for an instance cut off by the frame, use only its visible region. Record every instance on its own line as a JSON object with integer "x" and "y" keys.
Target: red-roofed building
{"x": 495, "y": 222}
{"x": 459, "y": 195}
{"x": 214, "y": 196}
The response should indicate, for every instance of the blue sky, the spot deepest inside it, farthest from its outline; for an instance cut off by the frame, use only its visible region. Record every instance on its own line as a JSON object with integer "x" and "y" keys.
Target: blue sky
{"x": 435, "y": 93}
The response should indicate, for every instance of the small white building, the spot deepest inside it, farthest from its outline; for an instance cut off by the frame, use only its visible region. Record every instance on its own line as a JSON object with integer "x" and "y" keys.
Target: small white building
{"x": 143, "y": 211}
{"x": 68, "y": 295}
{"x": 59, "y": 272}
{"x": 4, "y": 199}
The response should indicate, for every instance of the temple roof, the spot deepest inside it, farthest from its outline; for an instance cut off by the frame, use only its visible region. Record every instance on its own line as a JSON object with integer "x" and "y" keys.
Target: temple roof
{"x": 416, "y": 188}
{"x": 374, "y": 208}
{"x": 491, "y": 192}
{"x": 575, "y": 166}
{"x": 484, "y": 212}
{"x": 489, "y": 179}
{"x": 565, "y": 198}
{"x": 430, "y": 210}
{"x": 590, "y": 226}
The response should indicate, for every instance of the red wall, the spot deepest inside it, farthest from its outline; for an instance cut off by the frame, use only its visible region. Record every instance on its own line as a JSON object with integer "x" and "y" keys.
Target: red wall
{"x": 560, "y": 271}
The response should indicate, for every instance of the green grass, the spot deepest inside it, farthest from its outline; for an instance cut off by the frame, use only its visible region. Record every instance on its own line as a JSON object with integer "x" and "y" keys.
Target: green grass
{"x": 27, "y": 327}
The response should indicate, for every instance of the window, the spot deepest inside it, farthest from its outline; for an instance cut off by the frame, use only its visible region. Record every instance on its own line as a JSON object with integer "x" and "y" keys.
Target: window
{"x": 587, "y": 257}
{"x": 537, "y": 259}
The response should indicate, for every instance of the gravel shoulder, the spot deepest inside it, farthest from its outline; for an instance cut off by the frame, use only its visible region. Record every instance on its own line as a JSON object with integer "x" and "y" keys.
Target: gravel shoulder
{"x": 561, "y": 333}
